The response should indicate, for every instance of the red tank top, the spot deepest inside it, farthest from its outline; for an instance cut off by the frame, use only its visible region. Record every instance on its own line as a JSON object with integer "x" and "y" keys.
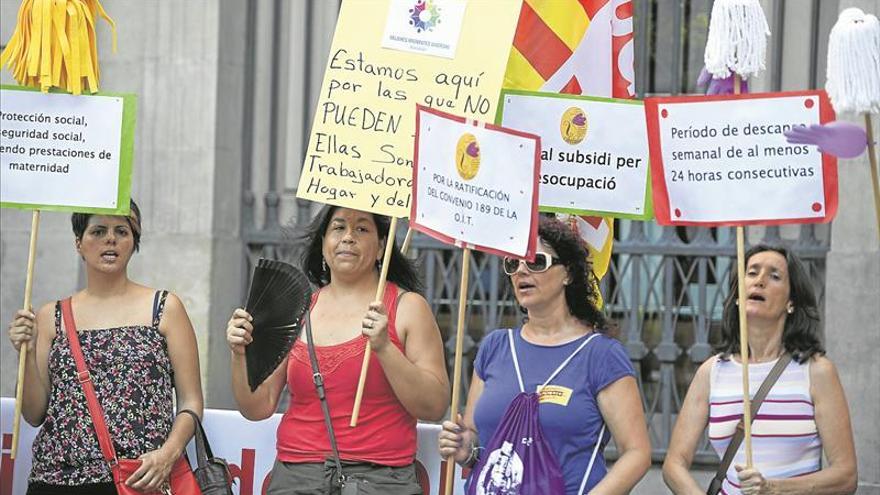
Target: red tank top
{"x": 385, "y": 434}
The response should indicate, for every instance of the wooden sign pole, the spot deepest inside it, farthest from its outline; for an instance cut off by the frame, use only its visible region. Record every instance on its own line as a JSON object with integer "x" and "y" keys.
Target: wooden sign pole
{"x": 743, "y": 326}
{"x": 872, "y": 163}
{"x": 459, "y": 343}
{"x": 380, "y": 291}
{"x": 22, "y": 351}
{"x": 407, "y": 241}
{"x": 744, "y": 342}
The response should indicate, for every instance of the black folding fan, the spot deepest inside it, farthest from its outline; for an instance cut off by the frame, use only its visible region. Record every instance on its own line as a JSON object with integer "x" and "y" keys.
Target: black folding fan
{"x": 279, "y": 297}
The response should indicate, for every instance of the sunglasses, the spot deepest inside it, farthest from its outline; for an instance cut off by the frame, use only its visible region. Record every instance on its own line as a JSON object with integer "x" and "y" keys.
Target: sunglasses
{"x": 543, "y": 262}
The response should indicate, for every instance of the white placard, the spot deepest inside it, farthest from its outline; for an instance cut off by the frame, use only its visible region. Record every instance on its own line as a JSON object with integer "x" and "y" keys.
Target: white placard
{"x": 475, "y": 184}
{"x": 725, "y": 160}
{"x": 594, "y": 152}
{"x": 429, "y": 27}
{"x": 60, "y": 150}
{"x": 248, "y": 447}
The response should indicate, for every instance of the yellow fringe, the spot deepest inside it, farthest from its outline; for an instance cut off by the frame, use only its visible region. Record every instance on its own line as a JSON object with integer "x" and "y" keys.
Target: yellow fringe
{"x": 54, "y": 45}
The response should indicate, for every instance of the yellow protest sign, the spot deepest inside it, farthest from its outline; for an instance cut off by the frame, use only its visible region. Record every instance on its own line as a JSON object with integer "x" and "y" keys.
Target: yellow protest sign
{"x": 386, "y": 57}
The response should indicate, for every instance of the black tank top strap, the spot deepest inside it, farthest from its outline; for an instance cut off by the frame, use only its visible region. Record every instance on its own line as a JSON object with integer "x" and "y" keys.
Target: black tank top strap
{"x": 400, "y": 293}
{"x": 393, "y": 294}
{"x": 57, "y": 317}
{"x": 159, "y": 306}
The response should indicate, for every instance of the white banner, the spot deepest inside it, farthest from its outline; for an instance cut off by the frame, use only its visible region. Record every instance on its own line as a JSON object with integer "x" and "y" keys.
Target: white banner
{"x": 248, "y": 447}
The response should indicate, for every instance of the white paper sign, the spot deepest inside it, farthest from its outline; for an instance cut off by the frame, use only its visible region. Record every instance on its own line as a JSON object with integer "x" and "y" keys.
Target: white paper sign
{"x": 59, "y": 149}
{"x": 725, "y": 160}
{"x": 429, "y": 27}
{"x": 248, "y": 447}
{"x": 594, "y": 152}
{"x": 475, "y": 184}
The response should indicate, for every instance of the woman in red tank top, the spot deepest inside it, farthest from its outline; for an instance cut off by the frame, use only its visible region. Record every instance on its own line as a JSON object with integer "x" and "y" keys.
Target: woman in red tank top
{"x": 406, "y": 379}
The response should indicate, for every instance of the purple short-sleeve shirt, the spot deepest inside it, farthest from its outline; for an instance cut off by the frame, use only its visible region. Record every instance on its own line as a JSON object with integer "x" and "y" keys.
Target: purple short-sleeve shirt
{"x": 569, "y": 412}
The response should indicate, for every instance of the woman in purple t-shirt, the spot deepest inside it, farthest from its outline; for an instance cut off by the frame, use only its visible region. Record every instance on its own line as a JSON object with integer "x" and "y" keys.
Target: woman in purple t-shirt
{"x": 594, "y": 392}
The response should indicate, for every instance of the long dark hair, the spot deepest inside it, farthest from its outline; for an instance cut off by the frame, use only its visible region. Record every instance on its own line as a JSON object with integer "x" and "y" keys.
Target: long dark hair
{"x": 402, "y": 271}
{"x": 579, "y": 293}
{"x": 800, "y": 336}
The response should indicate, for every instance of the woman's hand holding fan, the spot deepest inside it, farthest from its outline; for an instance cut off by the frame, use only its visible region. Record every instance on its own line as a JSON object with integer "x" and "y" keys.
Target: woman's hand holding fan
{"x": 238, "y": 331}
{"x": 271, "y": 322}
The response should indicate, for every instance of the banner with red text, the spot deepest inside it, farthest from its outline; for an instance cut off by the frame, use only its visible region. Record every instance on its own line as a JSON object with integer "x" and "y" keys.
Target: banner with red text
{"x": 248, "y": 446}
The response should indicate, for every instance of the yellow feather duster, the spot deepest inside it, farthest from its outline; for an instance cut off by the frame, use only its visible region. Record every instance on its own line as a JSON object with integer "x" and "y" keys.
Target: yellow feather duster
{"x": 54, "y": 45}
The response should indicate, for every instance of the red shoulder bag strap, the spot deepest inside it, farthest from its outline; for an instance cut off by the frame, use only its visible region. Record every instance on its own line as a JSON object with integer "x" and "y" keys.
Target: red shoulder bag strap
{"x": 85, "y": 379}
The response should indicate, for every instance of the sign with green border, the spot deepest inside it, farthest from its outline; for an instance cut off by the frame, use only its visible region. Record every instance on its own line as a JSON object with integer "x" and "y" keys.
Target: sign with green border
{"x": 62, "y": 152}
{"x": 594, "y": 151}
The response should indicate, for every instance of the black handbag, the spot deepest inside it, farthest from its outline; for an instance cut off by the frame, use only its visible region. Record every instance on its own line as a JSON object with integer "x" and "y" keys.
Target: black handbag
{"x": 212, "y": 473}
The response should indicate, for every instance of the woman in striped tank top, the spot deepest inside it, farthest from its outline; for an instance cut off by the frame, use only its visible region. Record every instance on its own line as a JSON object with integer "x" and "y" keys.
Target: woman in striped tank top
{"x": 804, "y": 414}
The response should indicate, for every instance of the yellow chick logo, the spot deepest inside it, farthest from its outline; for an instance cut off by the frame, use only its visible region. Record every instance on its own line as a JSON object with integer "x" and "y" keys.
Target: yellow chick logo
{"x": 467, "y": 156}
{"x": 573, "y": 126}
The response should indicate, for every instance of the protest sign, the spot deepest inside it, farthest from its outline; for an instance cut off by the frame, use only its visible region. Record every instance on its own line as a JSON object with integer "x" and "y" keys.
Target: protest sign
{"x": 475, "y": 184}
{"x": 594, "y": 151}
{"x": 387, "y": 56}
{"x": 724, "y": 160}
{"x": 66, "y": 153}
{"x": 360, "y": 149}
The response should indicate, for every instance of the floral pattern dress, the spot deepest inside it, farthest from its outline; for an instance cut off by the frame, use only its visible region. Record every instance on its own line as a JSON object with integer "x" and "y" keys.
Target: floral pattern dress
{"x": 133, "y": 379}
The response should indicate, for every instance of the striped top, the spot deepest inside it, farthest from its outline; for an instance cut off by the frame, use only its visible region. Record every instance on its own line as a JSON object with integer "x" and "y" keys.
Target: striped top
{"x": 785, "y": 441}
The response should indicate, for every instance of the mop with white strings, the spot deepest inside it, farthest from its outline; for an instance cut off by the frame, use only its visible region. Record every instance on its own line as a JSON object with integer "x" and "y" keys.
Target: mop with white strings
{"x": 853, "y": 77}
{"x": 737, "y": 43}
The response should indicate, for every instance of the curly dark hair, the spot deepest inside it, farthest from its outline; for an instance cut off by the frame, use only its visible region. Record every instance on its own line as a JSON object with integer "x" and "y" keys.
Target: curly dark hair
{"x": 402, "y": 271}
{"x": 79, "y": 222}
{"x": 579, "y": 294}
{"x": 800, "y": 336}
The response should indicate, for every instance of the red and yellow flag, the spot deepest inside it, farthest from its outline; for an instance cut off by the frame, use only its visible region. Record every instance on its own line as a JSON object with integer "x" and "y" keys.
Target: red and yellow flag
{"x": 573, "y": 46}
{"x": 582, "y": 47}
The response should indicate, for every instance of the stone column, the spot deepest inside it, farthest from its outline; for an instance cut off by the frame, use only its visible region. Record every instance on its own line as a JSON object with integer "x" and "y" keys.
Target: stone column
{"x": 852, "y": 304}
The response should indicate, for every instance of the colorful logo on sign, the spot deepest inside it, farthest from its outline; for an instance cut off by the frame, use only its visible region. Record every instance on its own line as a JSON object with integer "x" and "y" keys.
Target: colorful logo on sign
{"x": 467, "y": 156}
{"x": 573, "y": 126}
{"x": 424, "y": 15}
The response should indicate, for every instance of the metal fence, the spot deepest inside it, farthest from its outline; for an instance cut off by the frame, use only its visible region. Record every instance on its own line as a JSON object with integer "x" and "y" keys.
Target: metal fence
{"x": 666, "y": 286}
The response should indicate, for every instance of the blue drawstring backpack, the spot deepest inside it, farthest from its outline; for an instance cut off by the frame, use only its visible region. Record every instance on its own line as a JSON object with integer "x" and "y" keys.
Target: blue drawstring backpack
{"x": 517, "y": 460}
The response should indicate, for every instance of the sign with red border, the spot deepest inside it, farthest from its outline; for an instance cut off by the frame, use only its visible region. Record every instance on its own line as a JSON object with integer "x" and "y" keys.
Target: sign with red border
{"x": 723, "y": 160}
{"x": 475, "y": 185}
